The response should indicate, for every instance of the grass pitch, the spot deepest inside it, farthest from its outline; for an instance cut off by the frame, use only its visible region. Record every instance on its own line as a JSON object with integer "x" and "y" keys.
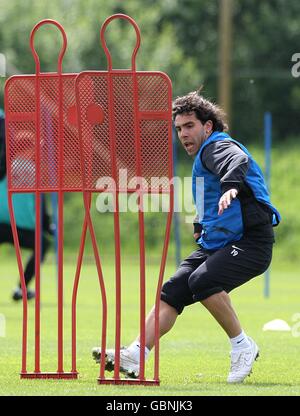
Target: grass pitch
{"x": 194, "y": 359}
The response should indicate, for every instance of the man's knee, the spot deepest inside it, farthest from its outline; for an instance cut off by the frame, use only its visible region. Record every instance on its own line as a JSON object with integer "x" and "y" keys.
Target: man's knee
{"x": 170, "y": 296}
{"x": 202, "y": 284}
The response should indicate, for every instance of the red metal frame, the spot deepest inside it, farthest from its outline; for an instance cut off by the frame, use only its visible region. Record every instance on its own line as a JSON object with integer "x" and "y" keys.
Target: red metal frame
{"x": 34, "y": 102}
{"x": 98, "y": 90}
{"x": 143, "y": 101}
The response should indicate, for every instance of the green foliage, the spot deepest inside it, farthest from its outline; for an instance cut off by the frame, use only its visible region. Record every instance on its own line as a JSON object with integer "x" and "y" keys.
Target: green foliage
{"x": 180, "y": 37}
{"x": 266, "y": 36}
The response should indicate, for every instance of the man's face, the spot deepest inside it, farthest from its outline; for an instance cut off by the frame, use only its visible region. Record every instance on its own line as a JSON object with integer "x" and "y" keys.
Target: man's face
{"x": 191, "y": 132}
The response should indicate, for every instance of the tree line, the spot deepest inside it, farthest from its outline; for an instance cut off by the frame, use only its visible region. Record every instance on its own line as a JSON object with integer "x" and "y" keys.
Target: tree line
{"x": 179, "y": 37}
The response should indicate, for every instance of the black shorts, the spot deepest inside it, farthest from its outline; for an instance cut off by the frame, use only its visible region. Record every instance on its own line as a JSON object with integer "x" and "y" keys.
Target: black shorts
{"x": 205, "y": 273}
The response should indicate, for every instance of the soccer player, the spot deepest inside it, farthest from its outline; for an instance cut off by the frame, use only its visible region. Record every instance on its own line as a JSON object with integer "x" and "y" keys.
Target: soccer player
{"x": 234, "y": 232}
{"x": 24, "y": 211}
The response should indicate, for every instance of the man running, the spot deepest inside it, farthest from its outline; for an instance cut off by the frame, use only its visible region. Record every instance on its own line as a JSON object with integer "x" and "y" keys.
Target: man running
{"x": 234, "y": 233}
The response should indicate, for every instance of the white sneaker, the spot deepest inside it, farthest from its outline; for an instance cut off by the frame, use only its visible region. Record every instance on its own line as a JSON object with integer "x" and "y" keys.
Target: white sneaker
{"x": 128, "y": 365}
{"x": 242, "y": 363}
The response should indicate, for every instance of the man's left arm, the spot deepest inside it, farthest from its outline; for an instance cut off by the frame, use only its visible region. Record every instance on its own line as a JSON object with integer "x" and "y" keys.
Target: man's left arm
{"x": 228, "y": 161}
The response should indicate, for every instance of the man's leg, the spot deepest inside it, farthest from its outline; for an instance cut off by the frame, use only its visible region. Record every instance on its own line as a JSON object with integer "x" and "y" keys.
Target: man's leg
{"x": 130, "y": 357}
{"x": 167, "y": 318}
{"x": 175, "y": 296}
{"x": 30, "y": 266}
{"x": 27, "y": 240}
{"x": 244, "y": 350}
{"x": 223, "y": 271}
{"x": 219, "y": 305}
{"x": 175, "y": 292}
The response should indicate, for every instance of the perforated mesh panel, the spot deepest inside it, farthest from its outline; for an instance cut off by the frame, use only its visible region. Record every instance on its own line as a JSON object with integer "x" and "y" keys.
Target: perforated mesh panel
{"x": 95, "y": 136}
{"x": 153, "y": 92}
{"x": 125, "y": 131}
{"x": 133, "y": 137}
{"x": 22, "y": 134}
{"x": 154, "y": 96}
{"x": 154, "y": 154}
{"x": 124, "y": 121}
{"x": 72, "y": 173}
{"x": 49, "y": 144}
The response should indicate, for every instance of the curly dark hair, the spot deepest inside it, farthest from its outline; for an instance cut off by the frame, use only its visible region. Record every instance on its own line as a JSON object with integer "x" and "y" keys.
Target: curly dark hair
{"x": 204, "y": 110}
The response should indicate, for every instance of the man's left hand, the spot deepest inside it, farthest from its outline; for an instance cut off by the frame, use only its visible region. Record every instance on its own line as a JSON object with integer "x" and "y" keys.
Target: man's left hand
{"x": 226, "y": 199}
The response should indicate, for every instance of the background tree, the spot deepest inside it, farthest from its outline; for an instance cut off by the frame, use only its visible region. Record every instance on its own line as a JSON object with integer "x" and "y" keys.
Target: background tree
{"x": 181, "y": 38}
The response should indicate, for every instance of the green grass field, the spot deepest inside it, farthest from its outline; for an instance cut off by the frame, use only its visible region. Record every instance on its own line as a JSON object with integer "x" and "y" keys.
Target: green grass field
{"x": 194, "y": 355}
